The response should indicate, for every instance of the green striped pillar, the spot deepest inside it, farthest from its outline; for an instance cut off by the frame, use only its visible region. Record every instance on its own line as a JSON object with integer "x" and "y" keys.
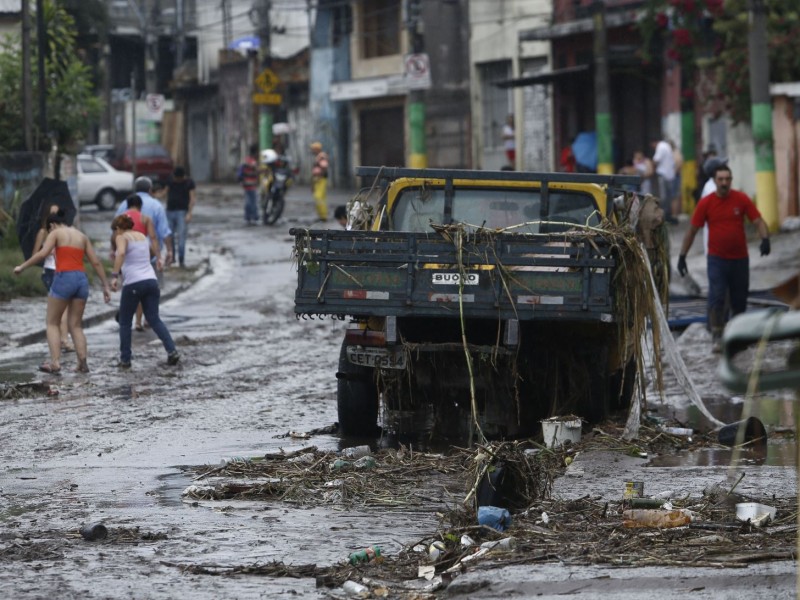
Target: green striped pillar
{"x": 689, "y": 168}
{"x": 602, "y": 100}
{"x": 265, "y": 128}
{"x": 418, "y": 158}
{"x": 761, "y": 115}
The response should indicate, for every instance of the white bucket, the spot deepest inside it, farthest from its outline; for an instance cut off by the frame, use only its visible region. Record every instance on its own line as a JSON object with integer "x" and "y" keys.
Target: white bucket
{"x": 558, "y": 430}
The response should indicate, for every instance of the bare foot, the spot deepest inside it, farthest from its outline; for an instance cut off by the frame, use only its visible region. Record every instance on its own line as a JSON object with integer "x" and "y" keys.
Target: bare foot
{"x": 82, "y": 367}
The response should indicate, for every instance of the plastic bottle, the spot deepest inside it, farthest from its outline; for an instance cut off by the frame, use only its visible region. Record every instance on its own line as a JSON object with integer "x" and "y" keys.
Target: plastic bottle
{"x": 366, "y": 555}
{"x": 365, "y": 462}
{"x": 356, "y": 452}
{"x": 340, "y": 464}
{"x": 645, "y": 517}
{"x": 234, "y": 460}
{"x": 506, "y": 544}
{"x": 352, "y": 588}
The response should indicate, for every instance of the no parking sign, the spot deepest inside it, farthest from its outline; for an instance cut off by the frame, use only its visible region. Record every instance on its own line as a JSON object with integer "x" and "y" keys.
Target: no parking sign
{"x": 418, "y": 71}
{"x": 155, "y": 107}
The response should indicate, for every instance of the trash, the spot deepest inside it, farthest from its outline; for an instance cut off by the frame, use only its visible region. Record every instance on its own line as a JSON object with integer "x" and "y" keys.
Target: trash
{"x": 753, "y": 430}
{"x": 340, "y": 464}
{"x": 466, "y": 541}
{"x": 757, "y": 514}
{"x": 679, "y": 431}
{"x": 545, "y": 518}
{"x": 333, "y": 483}
{"x": 419, "y": 548}
{"x": 506, "y": 544}
{"x": 647, "y": 502}
{"x": 435, "y": 550}
{"x": 356, "y": 451}
{"x": 494, "y": 517}
{"x": 365, "y": 462}
{"x": 365, "y": 556}
{"x": 490, "y": 487}
{"x": 426, "y": 571}
{"x": 307, "y": 458}
{"x": 557, "y": 430}
{"x": 93, "y": 532}
{"x": 663, "y": 519}
{"x": 234, "y": 460}
{"x": 633, "y": 489}
{"x": 351, "y": 588}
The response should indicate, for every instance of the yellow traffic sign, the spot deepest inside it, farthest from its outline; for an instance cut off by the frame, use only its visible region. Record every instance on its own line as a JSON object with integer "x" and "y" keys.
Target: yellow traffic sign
{"x": 267, "y": 99}
{"x": 267, "y": 81}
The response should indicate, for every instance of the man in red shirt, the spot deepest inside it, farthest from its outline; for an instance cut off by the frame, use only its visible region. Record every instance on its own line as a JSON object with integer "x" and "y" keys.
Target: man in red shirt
{"x": 727, "y": 259}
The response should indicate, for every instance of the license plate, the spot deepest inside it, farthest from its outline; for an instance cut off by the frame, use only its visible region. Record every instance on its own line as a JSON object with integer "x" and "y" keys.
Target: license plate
{"x": 454, "y": 278}
{"x": 376, "y": 357}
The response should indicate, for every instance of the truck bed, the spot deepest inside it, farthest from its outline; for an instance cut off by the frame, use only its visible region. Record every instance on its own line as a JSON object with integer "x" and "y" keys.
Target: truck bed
{"x": 564, "y": 276}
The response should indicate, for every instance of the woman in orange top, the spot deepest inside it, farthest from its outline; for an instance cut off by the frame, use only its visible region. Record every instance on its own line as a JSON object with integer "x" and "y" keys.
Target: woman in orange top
{"x": 69, "y": 290}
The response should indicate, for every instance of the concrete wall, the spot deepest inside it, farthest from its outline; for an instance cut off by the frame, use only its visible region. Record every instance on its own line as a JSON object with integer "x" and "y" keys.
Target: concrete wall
{"x": 494, "y": 37}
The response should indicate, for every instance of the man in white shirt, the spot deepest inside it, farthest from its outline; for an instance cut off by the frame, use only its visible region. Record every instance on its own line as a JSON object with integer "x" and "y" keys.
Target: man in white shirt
{"x": 665, "y": 173}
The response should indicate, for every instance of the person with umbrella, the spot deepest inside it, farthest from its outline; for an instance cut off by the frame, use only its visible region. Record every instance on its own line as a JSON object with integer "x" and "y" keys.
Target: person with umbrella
{"x": 49, "y": 270}
{"x": 70, "y": 288}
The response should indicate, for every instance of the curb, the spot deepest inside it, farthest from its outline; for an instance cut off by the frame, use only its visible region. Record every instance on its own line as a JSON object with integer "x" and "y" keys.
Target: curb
{"x": 41, "y": 335}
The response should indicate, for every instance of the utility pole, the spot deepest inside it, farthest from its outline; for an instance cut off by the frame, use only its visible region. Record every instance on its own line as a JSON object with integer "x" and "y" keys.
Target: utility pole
{"x": 265, "y": 116}
{"x": 151, "y": 48}
{"x": 27, "y": 94}
{"x": 41, "y": 34}
{"x": 602, "y": 101}
{"x": 418, "y": 158}
{"x": 688, "y": 149}
{"x": 761, "y": 115}
{"x": 179, "y": 34}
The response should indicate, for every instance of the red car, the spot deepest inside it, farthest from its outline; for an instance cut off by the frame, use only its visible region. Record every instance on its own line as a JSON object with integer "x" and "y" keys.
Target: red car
{"x": 152, "y": 160}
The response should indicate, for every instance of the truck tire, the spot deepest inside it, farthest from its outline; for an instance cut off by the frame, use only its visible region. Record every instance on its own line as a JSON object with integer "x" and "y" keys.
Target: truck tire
{"x": 357, "y": 398}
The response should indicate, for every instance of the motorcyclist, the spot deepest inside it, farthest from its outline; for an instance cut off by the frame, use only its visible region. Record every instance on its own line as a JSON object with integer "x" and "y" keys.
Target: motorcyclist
{"x": 271, "y": 163}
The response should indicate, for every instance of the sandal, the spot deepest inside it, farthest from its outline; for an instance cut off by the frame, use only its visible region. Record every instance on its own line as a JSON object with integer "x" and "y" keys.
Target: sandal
{"x": 48, "y": 368}
{"x": 66, "y": 348}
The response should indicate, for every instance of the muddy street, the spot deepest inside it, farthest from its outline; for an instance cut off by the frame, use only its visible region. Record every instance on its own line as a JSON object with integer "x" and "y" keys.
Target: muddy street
{"x": 120, "y": 447}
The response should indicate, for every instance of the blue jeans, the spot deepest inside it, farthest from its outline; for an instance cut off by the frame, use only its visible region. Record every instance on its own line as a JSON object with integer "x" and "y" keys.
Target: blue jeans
{"x": 251, "y": 205}
{"x": 177, "y": 222}
{"x": 148, "y": 293}
{"x": 70, "y": 284}
{"x": 727, "y": 279}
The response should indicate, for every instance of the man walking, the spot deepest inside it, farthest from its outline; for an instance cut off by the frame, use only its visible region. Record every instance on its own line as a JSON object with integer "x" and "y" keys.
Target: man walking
{"x": 248, "y": 177}
{"x": 180, "y": 203}
{"x": 153, "y": 209}
{"x": 664, "y": 162}
{"x": 319, "y": 180}
{"x": 727, "y": 259}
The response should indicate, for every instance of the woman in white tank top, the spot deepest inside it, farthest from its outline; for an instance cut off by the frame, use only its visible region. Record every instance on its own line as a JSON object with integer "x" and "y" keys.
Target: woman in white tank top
{"x": 140, "y": 284}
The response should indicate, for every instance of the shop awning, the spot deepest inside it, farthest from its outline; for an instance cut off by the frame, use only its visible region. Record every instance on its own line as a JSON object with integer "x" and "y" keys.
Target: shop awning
{"x": 547, "y": 77}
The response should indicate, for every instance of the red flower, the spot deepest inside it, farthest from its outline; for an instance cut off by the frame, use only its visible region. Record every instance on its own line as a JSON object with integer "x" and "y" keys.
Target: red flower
{"x": 662, "y": 20}
{"x": 714, "y": 6}
{"x": 688, "y": 93}
{"x": 682, "y": 37}
{"x": 672, "y": 54}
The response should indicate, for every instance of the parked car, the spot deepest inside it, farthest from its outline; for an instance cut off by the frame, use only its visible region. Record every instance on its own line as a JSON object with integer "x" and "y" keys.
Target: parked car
{"x": 101, "y": 183}
{"x": 104, "y": 151}
{"x": 152, "y": 160}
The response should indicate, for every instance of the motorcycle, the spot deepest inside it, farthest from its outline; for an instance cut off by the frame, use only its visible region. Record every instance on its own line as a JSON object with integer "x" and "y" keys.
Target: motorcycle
{"x": 276, "y": 179}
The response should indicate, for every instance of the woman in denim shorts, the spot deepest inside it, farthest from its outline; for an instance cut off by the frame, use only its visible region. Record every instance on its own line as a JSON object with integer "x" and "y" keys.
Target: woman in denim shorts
{"x": 69, "y": 290}
{"x": 49, "y": 270}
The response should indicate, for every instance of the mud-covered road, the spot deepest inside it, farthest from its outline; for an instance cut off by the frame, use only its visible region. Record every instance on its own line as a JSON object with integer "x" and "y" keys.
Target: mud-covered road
{"x": 114, "y": 446}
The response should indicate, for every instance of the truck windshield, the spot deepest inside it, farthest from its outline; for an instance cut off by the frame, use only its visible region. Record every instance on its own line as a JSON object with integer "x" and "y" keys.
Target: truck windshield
{"x": 416, "y": 208}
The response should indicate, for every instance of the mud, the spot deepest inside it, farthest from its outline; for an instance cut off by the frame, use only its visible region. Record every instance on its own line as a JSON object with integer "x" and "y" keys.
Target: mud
{"x": 121, "y": 447}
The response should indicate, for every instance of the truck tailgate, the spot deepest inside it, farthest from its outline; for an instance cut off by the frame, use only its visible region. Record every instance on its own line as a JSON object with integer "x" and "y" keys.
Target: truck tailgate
{"x": 564, "y": 276}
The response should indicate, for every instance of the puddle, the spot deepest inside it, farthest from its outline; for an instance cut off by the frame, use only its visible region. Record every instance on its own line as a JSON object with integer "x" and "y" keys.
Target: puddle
{"x": 172, "y": 484}
{"x": 774, "y": 413}
{"x": 776, "y": 454}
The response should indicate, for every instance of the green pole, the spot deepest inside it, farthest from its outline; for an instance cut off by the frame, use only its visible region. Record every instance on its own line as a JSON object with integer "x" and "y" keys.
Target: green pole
{"x": 688, "y": 144}
{"x": 603, "y": 126}
{"x": 418, "y": 156}
{"x": 761, "y": 116}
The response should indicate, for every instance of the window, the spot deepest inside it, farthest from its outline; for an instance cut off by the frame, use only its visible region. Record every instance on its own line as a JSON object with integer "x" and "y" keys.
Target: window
{"x": 415, "y": 209}
{"x": 380, "y": 28}
{"x": 89, "y": 165}
{"x": 496, "y": 102}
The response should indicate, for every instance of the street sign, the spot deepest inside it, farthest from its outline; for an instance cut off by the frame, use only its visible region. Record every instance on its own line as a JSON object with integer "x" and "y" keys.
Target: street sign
{"x": 267, "y": 81}
{"x": 417, "y": 71}
{"x": 273, "y": 99}
{"x": 155, "y": 107}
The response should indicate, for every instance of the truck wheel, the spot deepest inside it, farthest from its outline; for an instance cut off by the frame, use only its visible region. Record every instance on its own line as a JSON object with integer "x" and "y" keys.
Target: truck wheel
{"x": 357, "y": 398}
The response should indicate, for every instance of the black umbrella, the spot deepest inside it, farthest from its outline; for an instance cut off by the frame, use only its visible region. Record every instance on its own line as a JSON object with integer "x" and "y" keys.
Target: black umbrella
{"x": 29, "y": 221}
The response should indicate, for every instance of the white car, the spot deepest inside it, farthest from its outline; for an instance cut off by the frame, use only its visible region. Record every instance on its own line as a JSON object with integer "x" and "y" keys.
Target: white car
{"x": 101, "y": 183}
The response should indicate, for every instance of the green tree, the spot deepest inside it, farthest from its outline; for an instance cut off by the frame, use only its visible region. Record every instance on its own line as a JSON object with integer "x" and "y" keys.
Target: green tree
{"x": 713, "y": 35}
{"x": 72, "y": 105}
